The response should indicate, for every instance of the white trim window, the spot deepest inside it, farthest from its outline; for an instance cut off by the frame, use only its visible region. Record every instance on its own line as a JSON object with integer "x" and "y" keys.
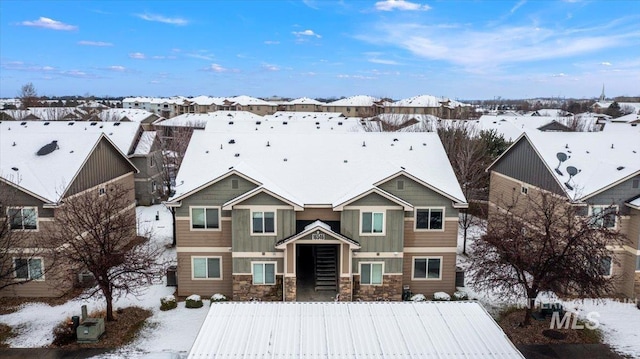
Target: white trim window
{"x": 372, "y": 223}
{"x": 206, "y": 267}
{"x": 606, "y": 266}
{"x": 205, "y": 218}
{"x": 28, "y": 268}
{"x": 23, "y": 218}
{"x": 603, "y": 216}
{"x": 371, "y": 273}
{"x": 263, "y": 222}
{"x": 427, "y": 268}
{"x": 524, "y": 190}
{"x": 263, "y": 273}
{"x": 430, "y": 219}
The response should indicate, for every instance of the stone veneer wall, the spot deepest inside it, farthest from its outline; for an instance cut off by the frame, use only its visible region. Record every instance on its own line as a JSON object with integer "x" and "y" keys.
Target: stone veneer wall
{"x": 345, "y": 290}
{"x": 290, "y": 284}
{"x": 244, "y": 289}
{"x": 391, "y": 289}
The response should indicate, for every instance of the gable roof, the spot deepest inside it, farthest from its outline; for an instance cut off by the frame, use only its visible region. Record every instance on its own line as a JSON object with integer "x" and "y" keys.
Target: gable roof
{"x": 359, "y": 100}
{"x": 601, "y": 159}
{"x": 304, "y": 101}
{"x": 316, "y": 169}
{"x": 317, "y": 226}
{"x": 46, "y": 176}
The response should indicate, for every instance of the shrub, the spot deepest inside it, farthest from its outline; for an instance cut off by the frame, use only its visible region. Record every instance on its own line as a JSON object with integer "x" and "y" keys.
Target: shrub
{"x": 418, "y": 298}
{"x": 63, "y": 333}
{"x": 441, "y": 297}
{"x": 459, "y": 295}
{"x": 193, "y": 301}
{"x": 218, "y": 298}
{"x": 167, "y": 303}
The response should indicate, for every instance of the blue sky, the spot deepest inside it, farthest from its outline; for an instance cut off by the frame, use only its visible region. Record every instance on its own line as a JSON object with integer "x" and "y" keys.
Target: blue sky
{"x": 318, "y": 48}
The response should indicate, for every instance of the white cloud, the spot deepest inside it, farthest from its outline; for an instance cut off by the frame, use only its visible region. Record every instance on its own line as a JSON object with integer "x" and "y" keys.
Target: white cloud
{"x": 358, "y": 77}
{"x": 306, "y": 33}
{"x": 269, "y": 42}
{"x": 311, "y": 4}
{"x": 605, "y": 63}
{"x": 200, "y": 56}
{"x": 383, "y": 62}
{"x": 163, "y": 19}
{"x": 77, "y": 73}
{"x": 46, "y": 23}
{"x": 94, "y": 43}
{"x": 272, "y": 68}
{"x": 517, "y": 6}
{"x": 117, "y": 68}
{"x": 217, "y": 68}
{"x": 390, "y": 5}
{"x": 562, "y": 74}
{"x": 137, "y": 55}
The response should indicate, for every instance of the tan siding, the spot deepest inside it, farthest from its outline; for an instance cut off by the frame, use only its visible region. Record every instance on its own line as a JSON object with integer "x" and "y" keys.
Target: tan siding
{"x": 204, "y": 288}
{"x": 428, "y": 287}
{"x": 291, "y": 255}
{"x": 55, "y": 284}
{"x": 446, "y": 238}
{"x": 633, "y": 229}
{"x": 185, "y": 237}
{"x": 345, "y": 252}
{"x": 323, "y": 214}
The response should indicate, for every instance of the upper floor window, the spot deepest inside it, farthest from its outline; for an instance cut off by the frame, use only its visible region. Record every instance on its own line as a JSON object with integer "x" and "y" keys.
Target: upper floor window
{"x": 430, "y": 218}
{"x": 603, "y": 216}
{"x": 400, "y": 185}
{"x": 427, "y": 268}
{"x": 263, "y": 272}
{"x": 234, "y": 184}
{"x": 23, "y": 218}
{"x": 205, "y": 218}
{"x": 524, "y": 190}
{"x": 371, "y": 273}
{"x": 28, "y": 268}
{"x": 207, "y": 267}
{"x": 263, "y": 222}
{"x": 372, "y": 223}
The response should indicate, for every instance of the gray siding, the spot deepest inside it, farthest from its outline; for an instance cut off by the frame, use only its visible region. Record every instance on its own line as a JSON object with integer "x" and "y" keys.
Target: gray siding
{"x": 215, "y": 195}
{"x": 12, "y": 197}
{"x": 373, "y": 199}
{"x": 263, "y": 199}
{"x": 391, "y": 265}
{"x": 522, "y": 163}
{"x": 419, "y": 195}
{"x": 105, "y": 163}
{"x": 243, "y": 241}
{"x": 617, "y": 195}
{"x": 392, "y": 241}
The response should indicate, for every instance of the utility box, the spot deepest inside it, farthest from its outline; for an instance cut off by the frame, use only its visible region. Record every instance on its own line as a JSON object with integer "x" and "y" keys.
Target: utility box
{"x": 459, "y": 277}
{"x": 90, "y": 330}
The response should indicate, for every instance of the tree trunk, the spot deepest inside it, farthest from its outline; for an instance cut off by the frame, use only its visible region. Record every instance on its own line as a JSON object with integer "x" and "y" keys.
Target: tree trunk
{"x": 531, "y": 302}
{"x": 109, "y": 297}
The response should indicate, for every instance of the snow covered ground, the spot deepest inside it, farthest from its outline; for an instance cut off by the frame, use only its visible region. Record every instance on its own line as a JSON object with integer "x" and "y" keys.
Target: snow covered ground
{"x": 171, "y": 331}
{"x": 175, "y": 330}
{"x": 618, "y": 320}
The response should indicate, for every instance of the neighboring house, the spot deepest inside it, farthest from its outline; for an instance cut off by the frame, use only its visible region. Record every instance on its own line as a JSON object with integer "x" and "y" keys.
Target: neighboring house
{"x": 263, "y": 215}
{"x": 140, "y": 146}
{"x": 427, "y": 105}
{"x": 357, "y": 106}
{"x": 303, "y": 104}
{"x": 250, "y": 104}
{"x": 38, "y": 172}
{"x": 592, "y": 170}
{"x": 143, "y": 117}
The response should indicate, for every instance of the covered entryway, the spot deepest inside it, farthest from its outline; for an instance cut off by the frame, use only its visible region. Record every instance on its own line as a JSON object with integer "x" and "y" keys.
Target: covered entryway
{"x": 317, "y": 270}
{"x": 317, "y": 264}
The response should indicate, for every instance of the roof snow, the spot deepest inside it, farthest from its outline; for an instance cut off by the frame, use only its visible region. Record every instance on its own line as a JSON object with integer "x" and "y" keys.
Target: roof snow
{"x": 420, "y": 101}
{"x": 120, "y": 114}
{"x": 248, "y": 100}
{"x": 359, "y": 100}
{"x": 304, "y": 101}
{"x": 146, "y": 143}
{"x": 49, "y": 175}
{"x": 351, "y": 330}
{"x": 601, "y": 158}
{"x": 278, "y": 161}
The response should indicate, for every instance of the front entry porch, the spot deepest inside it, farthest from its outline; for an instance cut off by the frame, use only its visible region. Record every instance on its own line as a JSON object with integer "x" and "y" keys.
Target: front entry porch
{"x": 316, "y": 272}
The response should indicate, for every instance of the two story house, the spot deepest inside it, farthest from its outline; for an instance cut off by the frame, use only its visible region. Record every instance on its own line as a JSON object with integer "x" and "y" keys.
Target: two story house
{"x": 39, "y": 170}
{"x": 594, "y": 171}
{"x": 261, "y": 215}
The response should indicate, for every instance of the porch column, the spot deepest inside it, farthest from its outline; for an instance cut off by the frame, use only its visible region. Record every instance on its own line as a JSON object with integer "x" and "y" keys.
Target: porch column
{"x": 345, "y": 285}
{"x": 290, "y": 280}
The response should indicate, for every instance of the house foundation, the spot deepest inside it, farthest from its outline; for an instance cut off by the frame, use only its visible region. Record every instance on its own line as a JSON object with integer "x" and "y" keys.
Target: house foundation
{"x": 245, "y": 290}
{"x": 389, "y": 290}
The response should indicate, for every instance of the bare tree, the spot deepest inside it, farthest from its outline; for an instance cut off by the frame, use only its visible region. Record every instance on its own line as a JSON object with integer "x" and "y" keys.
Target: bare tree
{"x": 21, "y": 254}
{"x": 539, "y": 242}
{"x": 96, "y": 232}
{"x": 28, "y": 96}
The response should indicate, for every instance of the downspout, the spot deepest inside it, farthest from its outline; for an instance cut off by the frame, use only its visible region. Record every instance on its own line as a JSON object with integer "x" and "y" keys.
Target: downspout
{"x": 173, "y": 218}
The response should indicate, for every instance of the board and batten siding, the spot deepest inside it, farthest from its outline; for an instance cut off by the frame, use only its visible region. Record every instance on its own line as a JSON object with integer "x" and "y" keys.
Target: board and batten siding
{"x": 104, "y": 164}
{"x": 323, "y": 214}
{"x": 391, "y": 265}
{"x": 244, "y": 241}
{"x": 419, "y": 195}
{"x": 204, "y": 287}
{"x": 617, "y": 195}
{"x": 534, "y": 173}
{"x": 215, "y": 194}
{"x": 243, "y": 265}
{"x": 428, "y": 287}
{"x": 391, "y": 241}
